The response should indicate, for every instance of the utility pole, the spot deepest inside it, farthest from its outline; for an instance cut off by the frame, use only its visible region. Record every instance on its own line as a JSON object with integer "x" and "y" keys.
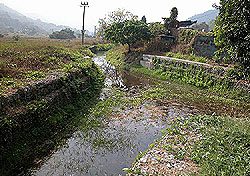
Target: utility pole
{"x": 84, "y": 5}
{"x": 94, "y": 31}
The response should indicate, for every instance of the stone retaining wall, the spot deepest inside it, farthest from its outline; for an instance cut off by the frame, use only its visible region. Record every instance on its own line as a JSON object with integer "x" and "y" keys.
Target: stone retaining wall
{"x": 215, "y": 72}
{"x": 148, "y": 62}
{"x": 31, "y": 106}
{"x": 38, "y": 91}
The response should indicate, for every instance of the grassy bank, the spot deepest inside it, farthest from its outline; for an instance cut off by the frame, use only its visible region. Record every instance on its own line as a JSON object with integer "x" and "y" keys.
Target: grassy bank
{"x": 215, "y": 145}
{"x": 116, "y": 57}
{"x": 223, "y": 148}
{"x": 220, "y": 145}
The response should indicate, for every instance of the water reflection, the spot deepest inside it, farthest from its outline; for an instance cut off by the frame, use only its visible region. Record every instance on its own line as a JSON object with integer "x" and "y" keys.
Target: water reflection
{"x": 106, "y": 146}
{"x": 108, "y": 149}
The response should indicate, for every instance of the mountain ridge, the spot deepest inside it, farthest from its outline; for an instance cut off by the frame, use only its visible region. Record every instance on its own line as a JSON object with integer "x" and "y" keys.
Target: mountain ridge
{"x": 206, "y": 17}
{"x": 13, "y": 22}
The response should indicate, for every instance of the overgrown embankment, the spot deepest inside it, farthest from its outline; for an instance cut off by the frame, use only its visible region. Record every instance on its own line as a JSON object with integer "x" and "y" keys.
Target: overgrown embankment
{"x": 172, "y": 69}
{"x": 39, "y": 112}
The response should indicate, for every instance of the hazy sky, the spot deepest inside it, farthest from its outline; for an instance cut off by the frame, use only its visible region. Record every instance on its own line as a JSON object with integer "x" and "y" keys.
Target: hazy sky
{"x": 68, "y": 12}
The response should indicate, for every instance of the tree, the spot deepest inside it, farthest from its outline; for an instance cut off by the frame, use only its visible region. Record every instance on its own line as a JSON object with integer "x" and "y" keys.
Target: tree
{"x": 128, "y": 32}
{"x": 63, "y": 34}
{"x": 174, "y": 13}
{"x": 144, "y": 19}
{"x": 156, "y": 28}
{"x": 119, "y": 15}
{"x": 171, "y": 23}
{"x": 232, "y": 32}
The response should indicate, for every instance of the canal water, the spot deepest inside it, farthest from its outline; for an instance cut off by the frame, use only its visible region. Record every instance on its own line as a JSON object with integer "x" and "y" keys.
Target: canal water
{"x": 108, "y": 148}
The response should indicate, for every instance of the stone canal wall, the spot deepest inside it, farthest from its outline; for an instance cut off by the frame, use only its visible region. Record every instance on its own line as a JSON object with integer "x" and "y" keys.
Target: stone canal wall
{"x": 54, "y": 91}
{"x": 34, "y": 118}
{"x": 29, "y": 107}
{"x": 151, "y": 62}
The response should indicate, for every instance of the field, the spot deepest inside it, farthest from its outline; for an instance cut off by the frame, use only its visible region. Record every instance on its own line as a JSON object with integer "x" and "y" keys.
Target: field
{"x": 27, "y": 60}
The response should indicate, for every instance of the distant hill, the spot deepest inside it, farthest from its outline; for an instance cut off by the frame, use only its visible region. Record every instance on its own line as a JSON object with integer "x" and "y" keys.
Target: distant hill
{"x": 206, "y": 17}
{"x": 13, "y": 22}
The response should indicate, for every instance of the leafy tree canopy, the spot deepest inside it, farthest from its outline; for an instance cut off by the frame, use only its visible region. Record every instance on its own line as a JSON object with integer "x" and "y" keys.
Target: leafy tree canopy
{"x": 156, "y": 28}
{"x": 117, "y": 16}
{"x": 232, "y": 31}
{"x": 128, "y": 32}
{"x": 63, "y": 34}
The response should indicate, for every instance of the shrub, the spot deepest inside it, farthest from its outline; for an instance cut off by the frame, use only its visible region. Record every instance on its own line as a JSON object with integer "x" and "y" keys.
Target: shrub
{"x": 170, "y": 54}
{"x": 200, "y": 59}
{"x": 180, "y": 56}
{"x": 16, "y": 37}
{"x": 158, "y": 45}
{"x": 63, "y": 34}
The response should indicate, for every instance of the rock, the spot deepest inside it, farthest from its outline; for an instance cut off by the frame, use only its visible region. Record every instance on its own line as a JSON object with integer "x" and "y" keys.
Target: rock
{"x": 157, "y": 152}
{"x": 143, "y": 160}
{"x": 169, "y": 165}
{"x": 180, "y": 169}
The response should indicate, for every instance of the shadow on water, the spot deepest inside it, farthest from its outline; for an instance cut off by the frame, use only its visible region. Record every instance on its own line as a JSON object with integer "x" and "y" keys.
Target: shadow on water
{"x": 111, "y": 143}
